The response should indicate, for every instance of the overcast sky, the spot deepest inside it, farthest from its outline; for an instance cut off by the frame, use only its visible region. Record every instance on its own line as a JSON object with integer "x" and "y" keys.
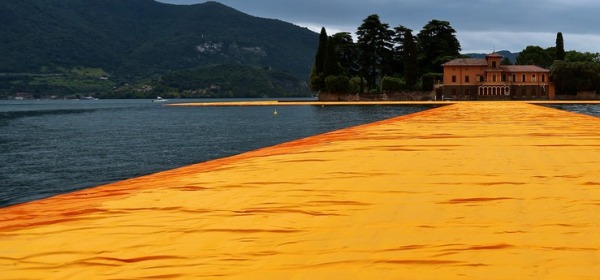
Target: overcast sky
{"x": 482, "y": 25}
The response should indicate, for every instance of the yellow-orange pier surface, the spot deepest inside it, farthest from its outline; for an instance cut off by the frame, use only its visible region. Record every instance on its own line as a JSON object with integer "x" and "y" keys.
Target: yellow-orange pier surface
{"x": 482, "y": 190}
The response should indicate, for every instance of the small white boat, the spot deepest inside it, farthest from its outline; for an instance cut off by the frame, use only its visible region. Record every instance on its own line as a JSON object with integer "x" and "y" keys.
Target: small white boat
{"x": 89, "y": 98}
{"x": 159, "y": 99}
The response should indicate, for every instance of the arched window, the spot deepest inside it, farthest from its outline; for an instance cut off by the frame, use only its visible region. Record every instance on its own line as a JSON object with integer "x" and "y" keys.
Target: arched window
{"x": 523, "y": 78}
{"x": 543, "y": 78}
{"x": 533, "y": 78}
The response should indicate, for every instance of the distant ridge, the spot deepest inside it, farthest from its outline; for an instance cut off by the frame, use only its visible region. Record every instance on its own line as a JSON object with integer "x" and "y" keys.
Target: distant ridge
{"x": 133, "y": 40}
{"x": 511, "y": 56}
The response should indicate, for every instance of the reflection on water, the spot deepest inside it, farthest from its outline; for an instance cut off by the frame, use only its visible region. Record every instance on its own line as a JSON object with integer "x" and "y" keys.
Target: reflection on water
{"x": 52, "y": 147}
{"x": 588, "y": 109}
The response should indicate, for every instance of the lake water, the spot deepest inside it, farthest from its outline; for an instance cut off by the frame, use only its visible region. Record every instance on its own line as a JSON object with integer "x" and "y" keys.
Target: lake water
{"x": 588, "y": 109}
{"x": 50, "y": 147}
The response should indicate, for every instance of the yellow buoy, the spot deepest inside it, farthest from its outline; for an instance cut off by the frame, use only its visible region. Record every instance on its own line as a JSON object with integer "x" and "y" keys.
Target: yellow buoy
{"x": 275, "y": 113}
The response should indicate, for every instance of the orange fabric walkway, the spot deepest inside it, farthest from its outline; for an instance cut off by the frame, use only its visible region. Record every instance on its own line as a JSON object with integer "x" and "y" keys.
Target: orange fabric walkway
{"x": 482, "y": 190}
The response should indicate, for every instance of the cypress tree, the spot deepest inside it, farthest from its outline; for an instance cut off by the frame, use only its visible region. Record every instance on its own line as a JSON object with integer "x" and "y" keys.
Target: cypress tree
{"x": 317, "y": 77}
{"x": 410, "y": 59}
{"x": 321, "y": 52}
{"x": 560, "y": 47}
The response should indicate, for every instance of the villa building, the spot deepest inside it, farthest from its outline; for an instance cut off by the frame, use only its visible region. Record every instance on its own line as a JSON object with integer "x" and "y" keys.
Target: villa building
{"x": 486, "y": 79}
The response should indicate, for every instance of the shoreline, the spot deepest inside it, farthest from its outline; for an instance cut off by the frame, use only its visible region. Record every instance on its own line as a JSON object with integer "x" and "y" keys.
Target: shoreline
{"x": 354, "y": 103}
{"x": 455, "y": 192}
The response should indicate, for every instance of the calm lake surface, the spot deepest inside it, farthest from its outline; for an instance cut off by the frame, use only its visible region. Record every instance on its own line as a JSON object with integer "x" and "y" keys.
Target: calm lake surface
{"x": 50, "y": 147}
{"x": 588, "y": 109}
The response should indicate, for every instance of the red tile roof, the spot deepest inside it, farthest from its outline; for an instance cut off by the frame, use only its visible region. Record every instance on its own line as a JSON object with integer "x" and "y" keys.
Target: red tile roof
{"x": 505, "y": 68}
{"x": 523, "y": 68}
{"x": 466, "y": 62}
{"x": 494, "y": 55}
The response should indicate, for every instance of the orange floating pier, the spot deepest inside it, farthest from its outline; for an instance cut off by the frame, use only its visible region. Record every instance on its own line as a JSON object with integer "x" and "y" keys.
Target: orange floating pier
{"x": 481, "y": 190}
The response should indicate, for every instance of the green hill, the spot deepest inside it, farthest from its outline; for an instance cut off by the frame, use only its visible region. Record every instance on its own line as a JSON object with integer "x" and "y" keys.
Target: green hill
{"x": 46, "y": 44}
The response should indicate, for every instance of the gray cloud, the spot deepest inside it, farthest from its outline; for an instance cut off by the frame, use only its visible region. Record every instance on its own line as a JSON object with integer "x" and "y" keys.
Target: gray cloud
{"x": 481, "y": 24}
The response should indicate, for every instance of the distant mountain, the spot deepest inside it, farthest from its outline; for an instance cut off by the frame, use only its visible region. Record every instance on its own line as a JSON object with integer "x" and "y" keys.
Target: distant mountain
{"x": 511, "y": 56}
{"x": 131, "y": 41}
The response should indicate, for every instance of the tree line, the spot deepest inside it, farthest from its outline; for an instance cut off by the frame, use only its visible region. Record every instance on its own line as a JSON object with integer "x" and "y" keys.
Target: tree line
{"x": 393, "y": 59}
{"x": 383, "y": 58}
{"x": 571, "y": 71}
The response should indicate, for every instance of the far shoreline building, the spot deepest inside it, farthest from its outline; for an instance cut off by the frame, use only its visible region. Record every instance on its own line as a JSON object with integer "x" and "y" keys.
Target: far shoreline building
{"x": 486, "y": 79}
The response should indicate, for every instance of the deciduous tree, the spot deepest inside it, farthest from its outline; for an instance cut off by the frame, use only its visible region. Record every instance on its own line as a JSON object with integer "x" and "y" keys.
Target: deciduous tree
{"x": 573, "y": 77}
{"x": 535, "y": 55}
{"x": 575, "y": 56}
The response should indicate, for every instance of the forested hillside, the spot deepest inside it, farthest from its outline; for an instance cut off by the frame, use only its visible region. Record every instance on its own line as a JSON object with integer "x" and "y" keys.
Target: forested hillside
{"x": 94, "y": 46}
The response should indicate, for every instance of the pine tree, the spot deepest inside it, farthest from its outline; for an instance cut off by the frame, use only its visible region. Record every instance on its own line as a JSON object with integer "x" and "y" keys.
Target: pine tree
{"x": 346, "y": 52}
{"x": 437, "y": 45}
{"x": 330, "y": 65}
{"x": 374, "y": 44}
{"x": 398, "y": 50}
{"x": 560, "y": 47}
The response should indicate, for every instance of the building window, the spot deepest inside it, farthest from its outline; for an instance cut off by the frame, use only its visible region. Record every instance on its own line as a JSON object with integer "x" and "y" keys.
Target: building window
{"x": 533, "y": 78}
{"x": 514, "y": 78}
{"x": 454, "y": 79}
{"x": 523, "y": 78}
{"x": 543, "y": 78}
{"x": 494, "y": 78}
{"x": 466, "y": 79}
{"x": 454, "y": 92}
{"x": 503, "y": 77}
{"x": 494, "y": 64}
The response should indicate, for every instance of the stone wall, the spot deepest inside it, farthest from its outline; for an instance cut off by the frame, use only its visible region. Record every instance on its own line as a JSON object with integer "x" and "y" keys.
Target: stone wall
{"x": 391, "y": 96}
{"x": 582, "y": 95}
